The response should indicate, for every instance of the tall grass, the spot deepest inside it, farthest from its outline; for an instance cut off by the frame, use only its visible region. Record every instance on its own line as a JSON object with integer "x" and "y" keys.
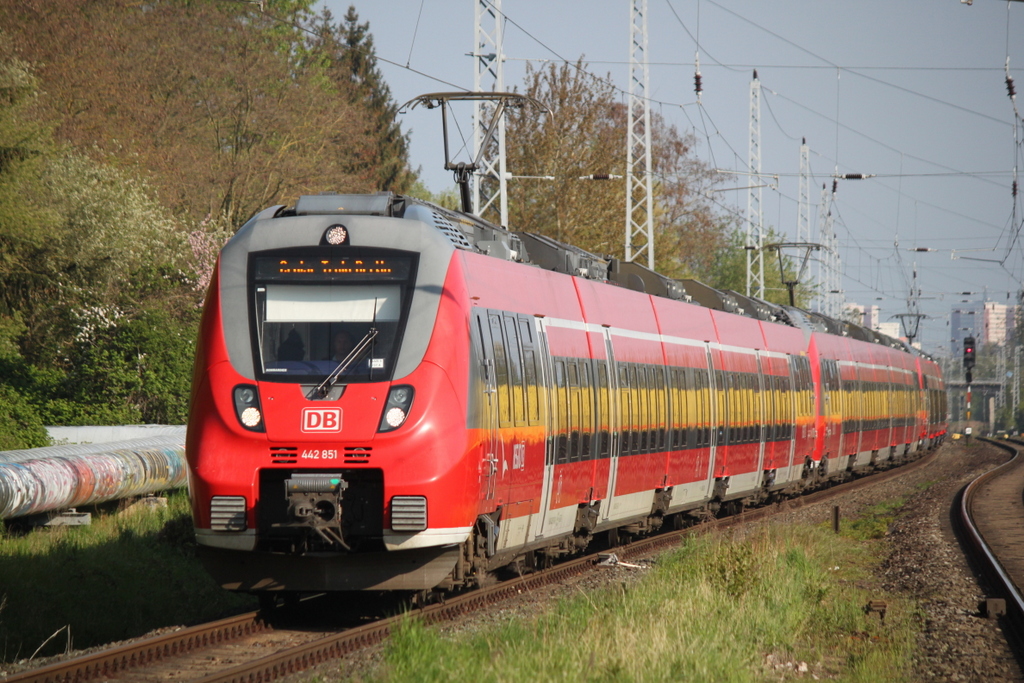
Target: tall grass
{"x": 738, "y": 609}
{"x": 127, "y": 573}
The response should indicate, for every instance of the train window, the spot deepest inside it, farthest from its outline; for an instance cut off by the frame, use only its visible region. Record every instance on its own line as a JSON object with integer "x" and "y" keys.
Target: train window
{"x": 625, "y": 411}
{"x": 604, "y": 415}
{"x": 660, "y": 406}
{"x": 501, "y": 371}
{"x": 782, "y": 416}
{"x": 786, "y": 407}
{"x": 743, "y": 399}
{"x": 701, "y": 408}
{"x": 304, "y": 331}
{"x": 636, "y": 423}
{"x": 695, "y": 402}
{"x": 752, "y": 408}
{"x": 561, "y": 422}
{"x": 777, "y": 409}
{"x": 779, "y": 398}
{"x": 575, "y": 410}
{"x": 486, "y": 353}
{"x": 680, "y": 408}
{"x": 587, "y": 413}
{"x": 737, "y": 408}
{"x": 531, "y": 375}
{"x": 517, "y": 391}
{"x": 643, "y": 422}
{"x": 722, "y": 421}
{"x": 531, "y": 379}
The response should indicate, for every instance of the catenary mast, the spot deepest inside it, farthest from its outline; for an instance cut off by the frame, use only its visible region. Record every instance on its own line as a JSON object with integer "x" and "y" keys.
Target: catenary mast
{"x": 639, "y": 192}
{"x": 488, "y": 75}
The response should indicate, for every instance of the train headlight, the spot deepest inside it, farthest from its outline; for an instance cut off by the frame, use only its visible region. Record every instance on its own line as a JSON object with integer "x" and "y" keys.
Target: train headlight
{"x": 396, "y": 410}
{"x": 336, "y": 235}
{"x": 247, "y": 408}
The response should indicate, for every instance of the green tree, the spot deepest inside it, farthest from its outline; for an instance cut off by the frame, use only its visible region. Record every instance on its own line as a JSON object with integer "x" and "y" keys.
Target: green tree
{"x": 210, "y": 100}
{"x": 25, "y": 219}
{"x": 347, "y": 54}
{"x": 584, "y": 134}
{"x": 21, "y": 425}
{"x": 729, "y": 269}
{"x": 575, "y": 138}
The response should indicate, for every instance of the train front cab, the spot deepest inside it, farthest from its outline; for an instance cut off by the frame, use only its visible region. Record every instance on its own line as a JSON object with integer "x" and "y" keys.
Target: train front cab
{"x": 335, "y": 481}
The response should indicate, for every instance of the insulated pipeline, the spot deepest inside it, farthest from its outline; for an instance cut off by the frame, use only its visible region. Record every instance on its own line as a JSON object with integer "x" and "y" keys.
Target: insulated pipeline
{"x": 61, "y": 477}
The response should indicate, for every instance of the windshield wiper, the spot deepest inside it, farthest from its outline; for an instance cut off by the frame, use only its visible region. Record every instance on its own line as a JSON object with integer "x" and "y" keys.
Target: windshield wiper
{"x": 353, "y": 355}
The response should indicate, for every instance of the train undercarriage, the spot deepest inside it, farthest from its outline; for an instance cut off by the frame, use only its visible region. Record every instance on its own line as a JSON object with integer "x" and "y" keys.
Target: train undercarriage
{"x": 314, "y": 551}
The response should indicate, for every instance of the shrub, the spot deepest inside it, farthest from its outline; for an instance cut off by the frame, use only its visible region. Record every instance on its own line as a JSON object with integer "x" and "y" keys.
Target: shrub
{"x": 20, "y": 424}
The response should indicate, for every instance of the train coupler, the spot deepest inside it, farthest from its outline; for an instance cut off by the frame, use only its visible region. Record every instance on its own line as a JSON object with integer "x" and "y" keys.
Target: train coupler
{"x": 314, "y": 502}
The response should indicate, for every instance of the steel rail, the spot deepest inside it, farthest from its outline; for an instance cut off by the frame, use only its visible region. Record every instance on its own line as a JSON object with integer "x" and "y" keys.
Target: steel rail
{"x": 336, "y": 645}
{"x": 103, "y": 664}
{"x": 1000, "y": 581}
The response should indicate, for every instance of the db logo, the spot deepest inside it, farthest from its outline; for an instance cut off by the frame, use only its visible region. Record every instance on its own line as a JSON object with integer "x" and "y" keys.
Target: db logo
{"x": 321, "y": 420}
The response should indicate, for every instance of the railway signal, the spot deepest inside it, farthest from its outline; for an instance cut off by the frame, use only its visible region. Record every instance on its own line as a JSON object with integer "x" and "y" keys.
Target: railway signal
{"x": 968, "y": 353}
{"x": 969, "y": 350}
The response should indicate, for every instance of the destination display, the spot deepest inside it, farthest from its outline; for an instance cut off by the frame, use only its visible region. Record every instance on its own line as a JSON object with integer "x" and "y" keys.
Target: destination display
{"x": 313, "y": 268}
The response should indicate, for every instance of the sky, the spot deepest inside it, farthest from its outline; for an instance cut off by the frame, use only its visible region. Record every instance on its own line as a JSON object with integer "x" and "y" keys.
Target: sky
{"x": 911, "y": 91}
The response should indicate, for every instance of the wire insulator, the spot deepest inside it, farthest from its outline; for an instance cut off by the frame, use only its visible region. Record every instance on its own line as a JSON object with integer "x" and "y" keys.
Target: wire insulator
{"x": 1009, "y": 87}
{"x": 1013, "y": 189}
{"x": 697, "y": 87}
{"x": 835, "y": 186}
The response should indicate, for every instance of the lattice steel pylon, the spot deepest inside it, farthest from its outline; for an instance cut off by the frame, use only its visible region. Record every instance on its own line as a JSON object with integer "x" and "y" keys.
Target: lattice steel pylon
{"x": 830, "y": 268}
{"x": 824, "y": 275}
{"x": 488, "y": 74}
{"x": 803, "y": 217}
{"x": 639, "y": 180}
{"x": 755, "y": 221}
{"x": 1016, "y": 376}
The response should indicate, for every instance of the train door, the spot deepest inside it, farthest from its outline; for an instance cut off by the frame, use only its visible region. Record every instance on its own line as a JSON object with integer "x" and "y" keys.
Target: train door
{"x": 488, "y": 415}
{"x": 790, "y": 401}
{"x": 719, "y": 414}
{"x": 833, "y": 407}
{"x": 609, "y": 385}
{"x": 855, "y": 414}
{"x": 764, "y": 413}
{"x": 840, "y": 394}
{"x": 547, "y": 386}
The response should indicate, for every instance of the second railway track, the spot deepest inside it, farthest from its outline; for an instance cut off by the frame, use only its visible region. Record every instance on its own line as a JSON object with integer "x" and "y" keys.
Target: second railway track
{"x": 991, "y": 519}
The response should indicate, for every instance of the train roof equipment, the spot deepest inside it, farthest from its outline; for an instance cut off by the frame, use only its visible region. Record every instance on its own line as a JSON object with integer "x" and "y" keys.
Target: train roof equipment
{"x": 469, "y": 232}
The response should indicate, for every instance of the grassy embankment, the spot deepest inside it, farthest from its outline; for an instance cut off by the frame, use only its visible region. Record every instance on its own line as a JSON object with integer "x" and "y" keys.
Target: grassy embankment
{"x": 721, "y": 608}
{"x": 131, "y": 571}
{"x": 779, "y": 603}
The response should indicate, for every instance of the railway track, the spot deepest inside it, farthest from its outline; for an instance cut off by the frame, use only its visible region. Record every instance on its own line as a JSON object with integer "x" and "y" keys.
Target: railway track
{"x": 229, "y": 650}
{"x": 991, "y": 523}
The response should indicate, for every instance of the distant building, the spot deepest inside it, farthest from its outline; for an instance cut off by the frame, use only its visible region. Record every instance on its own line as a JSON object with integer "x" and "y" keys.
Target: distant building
{"x": 965, "y": 320}
{"x": 865, "y": 316}
{"x": 997, "y": 323}
{"x": 872, "y": 317}
{"x": 987, "y": 322}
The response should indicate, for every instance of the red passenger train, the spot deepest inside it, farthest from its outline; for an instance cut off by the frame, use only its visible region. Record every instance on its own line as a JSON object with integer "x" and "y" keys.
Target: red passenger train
{"x": 392, "y": 396}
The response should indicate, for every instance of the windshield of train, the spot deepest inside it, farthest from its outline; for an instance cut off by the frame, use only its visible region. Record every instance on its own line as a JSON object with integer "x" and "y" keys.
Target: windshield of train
{"x": 312, "y": 308}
